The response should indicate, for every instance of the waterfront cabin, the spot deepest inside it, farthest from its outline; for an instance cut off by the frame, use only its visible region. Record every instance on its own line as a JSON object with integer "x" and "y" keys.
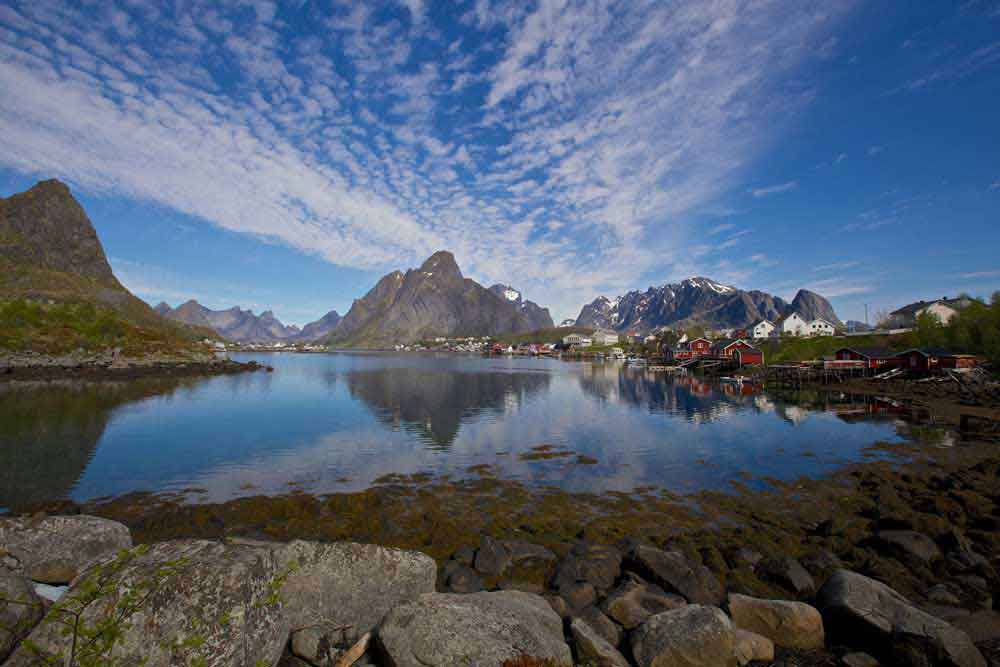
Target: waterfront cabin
{"x": 727, "y": 348}
{"x": 699, "y": 347}
{"x": 927, "y": 360}
{"x": 874, "y": 358}
{"x": 748, "y": 356}
{"x": 821, "y": 327}
{"x": 763, "y": 329}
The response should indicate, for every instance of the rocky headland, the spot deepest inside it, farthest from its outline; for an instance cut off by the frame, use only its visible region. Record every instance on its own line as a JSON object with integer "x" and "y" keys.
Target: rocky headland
{"x": 113, "y": 364}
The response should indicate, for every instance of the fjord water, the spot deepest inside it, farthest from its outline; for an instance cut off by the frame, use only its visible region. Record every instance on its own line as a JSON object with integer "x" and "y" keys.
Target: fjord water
{"x": 326, "y": 423}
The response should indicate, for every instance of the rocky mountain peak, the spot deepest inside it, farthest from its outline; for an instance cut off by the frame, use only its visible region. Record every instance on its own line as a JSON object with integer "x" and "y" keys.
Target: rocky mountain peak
{"x": 441, "y": 263}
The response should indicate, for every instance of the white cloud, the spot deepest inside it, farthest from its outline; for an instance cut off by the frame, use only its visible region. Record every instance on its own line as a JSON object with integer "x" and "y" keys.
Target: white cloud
{"x": 354, "y": 138}
{"x": 980, "y": 274}
{"x": 875, "y": 150}
{"x": 836, "y": 266}
{"x": 774, "y": 189}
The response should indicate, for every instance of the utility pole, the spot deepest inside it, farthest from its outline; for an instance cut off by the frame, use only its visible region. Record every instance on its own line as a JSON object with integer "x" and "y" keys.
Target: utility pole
{"x": 866, "y": 314}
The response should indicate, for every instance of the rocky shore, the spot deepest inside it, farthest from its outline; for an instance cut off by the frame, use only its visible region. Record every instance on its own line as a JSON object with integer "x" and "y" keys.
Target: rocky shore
{"x": 111, "y": 364}
{"x": 74, "y": 590}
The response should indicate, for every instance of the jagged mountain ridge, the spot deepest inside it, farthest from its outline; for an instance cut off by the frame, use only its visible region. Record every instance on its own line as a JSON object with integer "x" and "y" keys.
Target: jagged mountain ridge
{"x": 433, "y": 300}
{"x": 243, "y": 326}
{"x": 540, "y": 317}
{"x": 698, "y": 301}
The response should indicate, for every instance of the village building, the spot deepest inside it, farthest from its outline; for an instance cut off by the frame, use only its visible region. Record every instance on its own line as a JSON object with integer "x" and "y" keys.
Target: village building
{"x": 605, "y": 337}
{"x": 821, "y": 328}
{"x": 727, "y": 348}
{"x": 699, "y": 347}
{"x": 944, "y": 309}
{"x": 763, "y": 329}
{"x": 578, "y": 340}
{"x": 794, "y": 325}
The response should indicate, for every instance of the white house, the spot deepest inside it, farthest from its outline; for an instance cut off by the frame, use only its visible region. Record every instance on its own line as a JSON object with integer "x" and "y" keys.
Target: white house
{"x": 762, "y": 329}
{"x": 821, "y": 328}
{"x": 794, "y": 325}
{"x": 577, "y": 339}
{"x": 604, "y": 337}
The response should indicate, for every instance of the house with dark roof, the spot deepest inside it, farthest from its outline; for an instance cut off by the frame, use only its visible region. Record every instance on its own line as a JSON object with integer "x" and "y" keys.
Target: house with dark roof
{"x": 935, "y": 358}
{"x": 873, "y": 357}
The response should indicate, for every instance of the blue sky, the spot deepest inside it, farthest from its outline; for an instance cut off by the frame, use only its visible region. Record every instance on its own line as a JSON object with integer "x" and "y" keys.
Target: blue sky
{"x": 286, "y": 155}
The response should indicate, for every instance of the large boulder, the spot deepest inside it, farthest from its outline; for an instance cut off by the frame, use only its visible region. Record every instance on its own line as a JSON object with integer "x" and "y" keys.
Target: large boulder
{"x": 592, "y": 648}
{"x": 182, "y": 602}
{"x": 595, "y": 564}
{"x": 20, "y": 610}
{"x": 749, "y": 646}
{"x": 693, "y": 636}
{"x": 789, "y": 573}
{"x": 789, "y": 624}
{"x": 337, "y": 592}
{"x": 634, "y": 601}
{"x": 483, "y": 629}
{"x": 908, "y": 546}
{"x": 866, "y": 614}
{"x": 54, "y": 549}
{"x": 674, "y": 571}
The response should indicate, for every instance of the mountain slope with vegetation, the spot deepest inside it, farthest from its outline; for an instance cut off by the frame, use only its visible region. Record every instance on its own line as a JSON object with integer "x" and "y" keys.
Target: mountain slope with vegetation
{"x": 57, "y": 289}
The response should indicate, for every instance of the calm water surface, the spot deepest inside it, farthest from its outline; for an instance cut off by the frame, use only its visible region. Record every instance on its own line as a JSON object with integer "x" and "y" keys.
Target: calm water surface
{"x": 338, "y": 422}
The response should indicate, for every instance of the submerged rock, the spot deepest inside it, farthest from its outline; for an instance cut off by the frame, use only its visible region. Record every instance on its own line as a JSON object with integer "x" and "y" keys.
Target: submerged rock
{"x": 595, "y": 564}
{"x": 20, "y": 610}
{"x": 483, "y": 629}
{"x": 54, "y": 549}
{"x": 789, "y": 573}
{"x": 786, "y": 623}
{"x": 179, "y": 602}
{"x": 693, "y": 636}
{"x": 866, "y": 614}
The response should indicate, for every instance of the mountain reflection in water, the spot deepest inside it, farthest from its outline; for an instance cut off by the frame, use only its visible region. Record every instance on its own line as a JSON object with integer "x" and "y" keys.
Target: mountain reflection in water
{"x": 330, "y": 423}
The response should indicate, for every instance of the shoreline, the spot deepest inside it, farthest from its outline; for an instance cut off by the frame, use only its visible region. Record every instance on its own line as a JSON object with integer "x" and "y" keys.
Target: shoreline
{"x": 924, "y": 520}
{"x": 124, "y": 369}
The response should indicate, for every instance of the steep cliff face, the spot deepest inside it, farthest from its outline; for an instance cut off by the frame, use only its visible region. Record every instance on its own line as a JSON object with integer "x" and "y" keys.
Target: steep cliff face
{"x": 539, "y": 317}
{"x": 433, "y": 300}
{"x": 698, "y": 301}
{"x": 46, "y": 229}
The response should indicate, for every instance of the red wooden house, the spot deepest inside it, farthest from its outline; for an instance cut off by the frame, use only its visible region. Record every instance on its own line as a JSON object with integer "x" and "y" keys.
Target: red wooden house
{"x": 931, "y": 359}
{"x": 699, "y": 347}
{"x": 874, "y": 358}
{"x": 749, "y": 356}
{"x": 727, "y": 348}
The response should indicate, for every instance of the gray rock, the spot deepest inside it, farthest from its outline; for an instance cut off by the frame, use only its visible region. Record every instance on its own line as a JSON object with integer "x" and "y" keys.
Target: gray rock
{"x": 693, "y": 636}
{"x": 789, "y": 573}
{"x": 821, "y": 563}
{"x": 174, "y": 603}
{"x": 941, "y": 594}
{"x": 786, "y": 623}
{"x": 868, "y": 615}
{"x": 592, "y": 648}
{"x": 318, "y": 645}
{"x": 602, "y": 625}
{"x": 54, "y": 549}
{"x": 463, "y": 580}
{"x": 981, "y": 626}
{"x": 484, "y": 629}
{"x": 596, "y": 564}
{"x": 749, "y": 646}
{"x": 348, "y": 584}
{"x": 673, "y": 571}
{"x": 633, "y": 602}
{"x": 526, "y": 552}
{"x": 20, "y": 610}
{"x": 858, "y": 660}
{"x": 492, "y": 558}
{"x": 908, "y": 545}
{"x": 466, "y": 556}
{"x": 578, "y": 595}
